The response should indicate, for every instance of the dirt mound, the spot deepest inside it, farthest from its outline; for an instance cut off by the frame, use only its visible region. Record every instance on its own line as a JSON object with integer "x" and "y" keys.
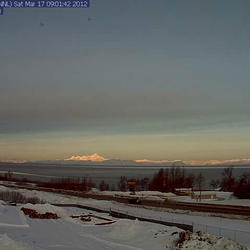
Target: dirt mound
{"x": 35, "y": 215}
{"x": 191, "y": 241}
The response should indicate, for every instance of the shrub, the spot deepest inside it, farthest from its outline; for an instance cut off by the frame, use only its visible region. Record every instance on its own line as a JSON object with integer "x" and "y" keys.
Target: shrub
{"x": 12, "y": 196}
{"x": 35, "y": 215}
{"x": 75, "y": 184}
{"x": 242, "y": 187}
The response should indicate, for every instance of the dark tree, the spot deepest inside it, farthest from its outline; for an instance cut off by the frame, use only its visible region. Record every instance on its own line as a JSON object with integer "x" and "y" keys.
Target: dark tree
{"x": 158, "y": 181}
{"x": 104, "y": 186}
{"x": 169, "y": 179}
{"x": 200, "y": 179}
{"x": 242, "y": 187}
{"x": 215, "y": 183}
{"x": 122, "y": 185}
{"x": 228, "y": 180}
{"x": 189, "y": 181}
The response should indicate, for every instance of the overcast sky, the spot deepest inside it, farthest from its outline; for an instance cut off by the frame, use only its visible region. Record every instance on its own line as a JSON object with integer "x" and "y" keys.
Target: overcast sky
{"x": 134, "y": 79}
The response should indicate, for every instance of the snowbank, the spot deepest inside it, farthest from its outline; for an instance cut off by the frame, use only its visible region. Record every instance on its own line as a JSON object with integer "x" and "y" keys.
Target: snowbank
{"x": 3, "y": 189}
{"x": 153, "y": 198}
{"x": 208, "y": 242}
{"x": 7, "y": 243}
{"x": 225, "y": 195}
{"x": 137, "y": 193}
{"x": 125, "y": 229}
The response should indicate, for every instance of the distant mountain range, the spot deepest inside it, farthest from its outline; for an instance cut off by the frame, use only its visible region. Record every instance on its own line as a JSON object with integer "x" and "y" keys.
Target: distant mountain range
{"x": 98, "y": 160}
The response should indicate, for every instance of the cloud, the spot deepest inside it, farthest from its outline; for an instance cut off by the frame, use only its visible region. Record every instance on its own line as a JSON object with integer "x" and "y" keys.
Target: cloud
{"x": 41, "y": 109}
{"x": 94, "y": 157}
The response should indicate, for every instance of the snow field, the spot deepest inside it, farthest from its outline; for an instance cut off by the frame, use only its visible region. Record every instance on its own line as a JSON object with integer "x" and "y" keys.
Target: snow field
{"x": 202, "y": 221}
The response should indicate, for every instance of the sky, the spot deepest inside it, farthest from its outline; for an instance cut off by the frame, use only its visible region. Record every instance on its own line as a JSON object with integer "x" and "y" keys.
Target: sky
{"x": 134, "y": 79}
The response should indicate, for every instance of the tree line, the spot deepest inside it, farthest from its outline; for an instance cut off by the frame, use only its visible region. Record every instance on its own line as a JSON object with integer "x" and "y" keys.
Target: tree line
{"x": 165, "y": 180}
{"x": 228, "y": 183}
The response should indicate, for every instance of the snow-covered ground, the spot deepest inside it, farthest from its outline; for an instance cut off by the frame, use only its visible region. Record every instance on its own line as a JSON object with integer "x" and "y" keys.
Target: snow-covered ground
{"x": 67, "y": 233}
{"x": 234, "y": 228}
{"x": 207, "y": 241}
{"x": 142, "y": 194}
{"x": 225, "y": 198}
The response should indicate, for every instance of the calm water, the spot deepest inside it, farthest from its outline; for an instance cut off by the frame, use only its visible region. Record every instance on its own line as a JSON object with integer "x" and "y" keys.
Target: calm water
{"x": 110, "y": 174}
